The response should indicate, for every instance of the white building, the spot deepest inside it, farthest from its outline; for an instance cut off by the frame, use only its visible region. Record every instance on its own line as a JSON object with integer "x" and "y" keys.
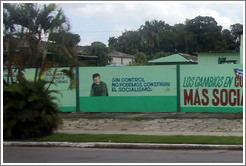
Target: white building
{"x": 120, "y": 58}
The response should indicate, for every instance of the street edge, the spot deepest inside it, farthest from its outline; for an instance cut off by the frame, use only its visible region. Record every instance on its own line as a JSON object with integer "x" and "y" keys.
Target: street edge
{"x": 126, "y": 145}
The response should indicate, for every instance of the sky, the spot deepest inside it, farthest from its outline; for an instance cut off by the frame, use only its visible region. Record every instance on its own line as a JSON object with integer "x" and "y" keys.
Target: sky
{"x": 97, "y": 21}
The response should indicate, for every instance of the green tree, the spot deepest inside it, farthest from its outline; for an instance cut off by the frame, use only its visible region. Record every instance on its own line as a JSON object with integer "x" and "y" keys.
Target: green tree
{"x": 29, "y": 27}
{"x": 29, "y": 110}
{"x": 228, "y": 39}
{"x": 167, "y": 41}
{"x": 30, "y": 31}
{"x": 179, "y": 37}
{"x": 150, "y": 34}
{"x": 141, "y": 58}
{"x": 205, "y": 31}
{"x": 101, "y": 51}
{"x": 129, "y": 42}
{"x": 161, "y": 54}
{"x": 112, "y": 42}
{"x": 62, "y": 46}
{"x": 235, "y": 28}
{"x": 196, "y": 35}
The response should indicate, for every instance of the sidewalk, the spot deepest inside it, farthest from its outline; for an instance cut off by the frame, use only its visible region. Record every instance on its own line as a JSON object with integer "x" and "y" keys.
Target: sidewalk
{"x": 204, "y": 126}
{"x": 146, "y": 124}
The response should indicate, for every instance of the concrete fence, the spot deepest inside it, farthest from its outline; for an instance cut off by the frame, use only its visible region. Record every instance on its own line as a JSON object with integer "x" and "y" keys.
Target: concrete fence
{"x": 170, "y": 88}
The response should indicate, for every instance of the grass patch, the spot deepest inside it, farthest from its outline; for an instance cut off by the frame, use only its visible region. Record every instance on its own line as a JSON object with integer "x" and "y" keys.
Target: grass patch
{"x": 118, "y": 138}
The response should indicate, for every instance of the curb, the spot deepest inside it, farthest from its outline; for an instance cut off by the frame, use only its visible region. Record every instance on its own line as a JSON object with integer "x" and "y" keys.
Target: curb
{"x": 159, "y": 133}
{"x": 126, "y": 145}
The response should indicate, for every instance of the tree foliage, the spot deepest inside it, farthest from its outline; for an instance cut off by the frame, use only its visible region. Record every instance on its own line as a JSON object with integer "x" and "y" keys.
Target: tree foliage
{"x": 29, "y": 110}
{"x": 200, "y": 34}
{"x": 101, "y": 51}
{"x": 128, "y": 42}
{"x": 30, "y": 31}
{"x": 141, "y": 58}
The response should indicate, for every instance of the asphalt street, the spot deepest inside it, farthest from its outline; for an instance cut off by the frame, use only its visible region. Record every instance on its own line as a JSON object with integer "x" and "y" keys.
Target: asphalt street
{"x": 87, "y": 155}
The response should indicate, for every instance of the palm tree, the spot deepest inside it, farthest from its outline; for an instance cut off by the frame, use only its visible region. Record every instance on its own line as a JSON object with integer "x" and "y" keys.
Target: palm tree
{"x": 151, "y": 31}
{"x": 32, "y": 25}
{"x": 30, "y": 31}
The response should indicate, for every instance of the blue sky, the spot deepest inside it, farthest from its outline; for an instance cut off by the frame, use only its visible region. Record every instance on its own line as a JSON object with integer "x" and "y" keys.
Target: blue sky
{"x": 97, "y": 21}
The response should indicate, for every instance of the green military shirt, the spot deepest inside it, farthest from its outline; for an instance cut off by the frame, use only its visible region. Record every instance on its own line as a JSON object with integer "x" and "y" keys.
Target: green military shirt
{"x": 99, "y": 90}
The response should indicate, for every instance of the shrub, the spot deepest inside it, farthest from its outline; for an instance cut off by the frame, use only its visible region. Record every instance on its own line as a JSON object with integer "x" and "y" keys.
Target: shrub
{"x": 29, "y": 110}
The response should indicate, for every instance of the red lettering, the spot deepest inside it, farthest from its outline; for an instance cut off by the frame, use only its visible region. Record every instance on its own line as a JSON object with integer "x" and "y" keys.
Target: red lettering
{"x": 225, "y": 96}
{"x": 238, "y": 96}
{"x": 197, "y": 98}
{"x": 242, "y": 100}
{"x": 238, "y": 81}
{"x": 188, "y": 98}
{"x": 232, "y": 103}
{"x": 241, "y": 81}
{"x": 215, "y": 101}
{"x": 221, "y": 97}
{"x": 204, "y": 93}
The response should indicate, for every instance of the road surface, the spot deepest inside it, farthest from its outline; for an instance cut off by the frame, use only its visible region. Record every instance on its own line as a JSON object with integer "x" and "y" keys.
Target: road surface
{"x": 86, "y": 155}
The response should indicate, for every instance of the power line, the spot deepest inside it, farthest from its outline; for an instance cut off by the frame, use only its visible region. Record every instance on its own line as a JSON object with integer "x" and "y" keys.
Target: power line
{"x": 97, "y": 31}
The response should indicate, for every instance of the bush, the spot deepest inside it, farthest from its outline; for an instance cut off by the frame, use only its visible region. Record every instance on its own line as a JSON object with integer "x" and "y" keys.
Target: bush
{"x": 29, "y": 110}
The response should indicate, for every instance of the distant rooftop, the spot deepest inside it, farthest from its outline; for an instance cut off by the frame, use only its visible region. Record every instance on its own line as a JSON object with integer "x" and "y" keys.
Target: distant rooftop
{"x": 118, "y": 54}
{"x": 86, "y": 58}
{"x": 81, "y": 49}
{"x": 176, "y": 58}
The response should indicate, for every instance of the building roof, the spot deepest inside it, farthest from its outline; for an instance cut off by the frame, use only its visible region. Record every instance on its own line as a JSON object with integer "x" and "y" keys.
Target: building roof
{"x": 176, "y": 58}
{"x": 191, "y": 58}
{"x": 81, "y": 49}
{"x": 86, "y": 58}
{"x": 118, "y": 54}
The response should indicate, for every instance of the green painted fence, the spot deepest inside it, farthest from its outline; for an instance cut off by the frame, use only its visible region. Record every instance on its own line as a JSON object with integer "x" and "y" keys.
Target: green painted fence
{"x": 172, "y": 88}
{"x": 66, "y": 97}
{"x": 130, "y": 89}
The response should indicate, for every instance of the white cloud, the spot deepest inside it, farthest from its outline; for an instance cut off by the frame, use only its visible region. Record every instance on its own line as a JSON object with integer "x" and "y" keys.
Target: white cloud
{"x": 92, "y": 10}
{"x": 112, "y": 16}
{"x": 174, "y": 12}
{"x": 223, "y": 18}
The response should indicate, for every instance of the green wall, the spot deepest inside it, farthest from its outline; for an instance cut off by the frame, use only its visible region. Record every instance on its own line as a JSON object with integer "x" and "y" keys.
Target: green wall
{"x": 131, "y": 89}
{"x": 212, "y": 58}
{"x": 172, "y": 88}
{"x": 67, "y": 98}
{"x": 200, "y": 89}
{"x": 129, "y": 104}
{"x": 211, "y": 89}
